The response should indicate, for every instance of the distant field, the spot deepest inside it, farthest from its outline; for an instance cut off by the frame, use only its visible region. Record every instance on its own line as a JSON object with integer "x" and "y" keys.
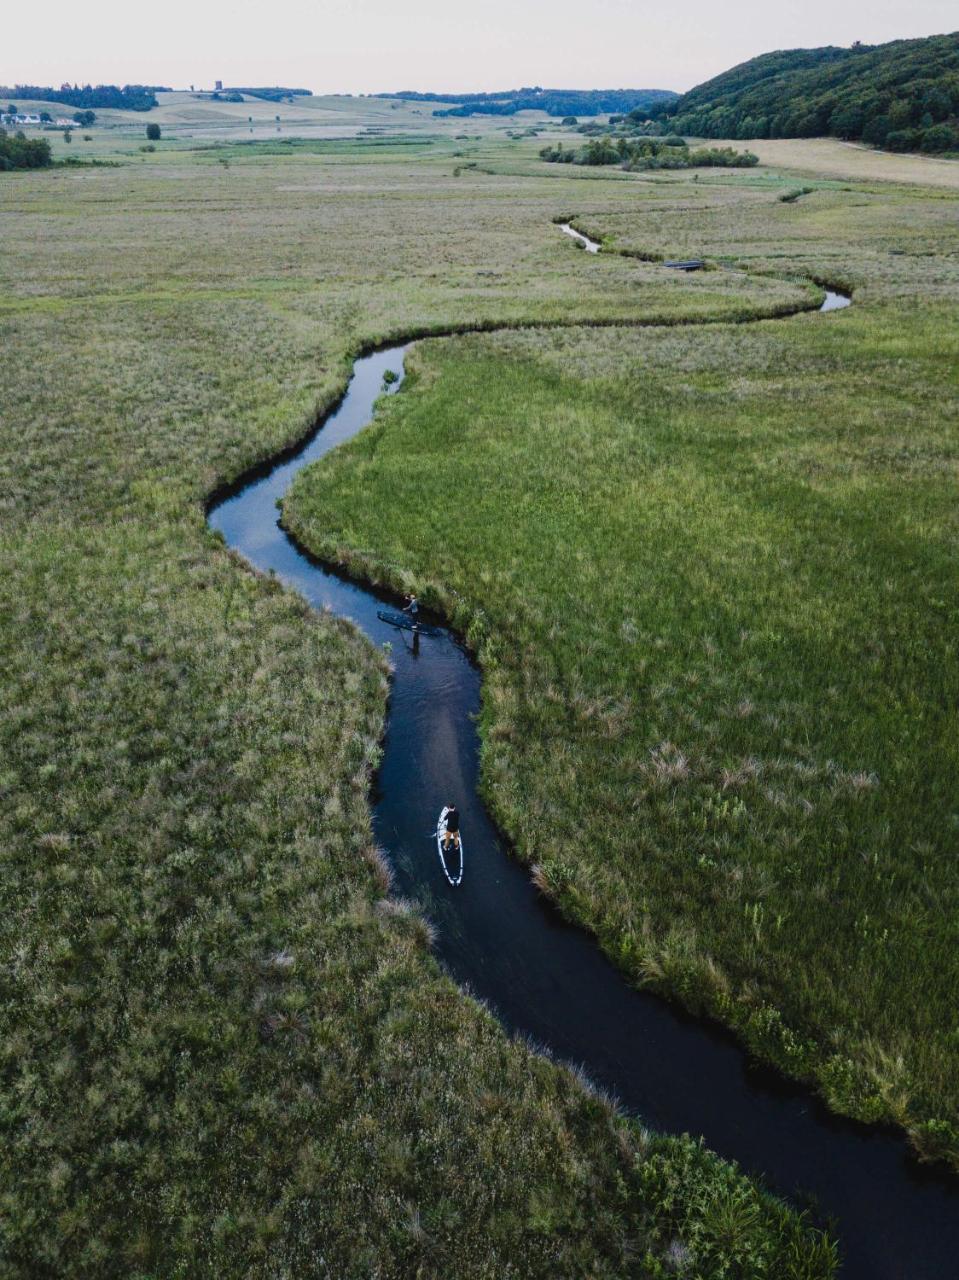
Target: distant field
{"x": 183, "y": 116}
{"x": 186, "y": 119}
{"x": 830, "y": 158}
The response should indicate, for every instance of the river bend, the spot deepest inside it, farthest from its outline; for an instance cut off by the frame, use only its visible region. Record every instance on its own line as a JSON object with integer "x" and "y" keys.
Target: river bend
{"x": 547, "y": 979}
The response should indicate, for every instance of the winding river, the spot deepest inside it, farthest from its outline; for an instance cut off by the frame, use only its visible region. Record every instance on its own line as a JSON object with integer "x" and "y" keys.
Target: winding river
{"x": 549, "y": 980}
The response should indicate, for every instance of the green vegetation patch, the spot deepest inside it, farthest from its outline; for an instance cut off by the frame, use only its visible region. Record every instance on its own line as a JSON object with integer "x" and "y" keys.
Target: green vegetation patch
{"x": 131, "y": 97}
{"x": 224, "y": 1051}
{"x": 216, "y": 1028}
{"x": 20, "y": 152}
{"x": 555, "y": 102}
{"x": 252, "y": 148}
{"x": 638, "y": 154}
{"x": 711, "y": 579}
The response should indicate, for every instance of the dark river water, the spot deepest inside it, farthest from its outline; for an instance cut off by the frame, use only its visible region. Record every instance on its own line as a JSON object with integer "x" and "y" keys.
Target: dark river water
{"x": 549, "y": 980}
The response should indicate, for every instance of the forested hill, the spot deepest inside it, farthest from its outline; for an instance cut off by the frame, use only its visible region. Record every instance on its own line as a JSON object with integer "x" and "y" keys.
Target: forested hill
{"x": 903, "y": 95}
{"x": 132, "y": 97}
{"x": 555, "y": 102}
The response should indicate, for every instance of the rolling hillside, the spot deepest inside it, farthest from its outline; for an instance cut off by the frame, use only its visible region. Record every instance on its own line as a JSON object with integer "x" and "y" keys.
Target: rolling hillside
{"x": 903, "y": 95}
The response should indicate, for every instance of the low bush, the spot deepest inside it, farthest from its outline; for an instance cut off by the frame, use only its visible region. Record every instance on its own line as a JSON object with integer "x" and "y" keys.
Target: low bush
{"x": 19, "y": 152}
{"x": 637, "y": 153}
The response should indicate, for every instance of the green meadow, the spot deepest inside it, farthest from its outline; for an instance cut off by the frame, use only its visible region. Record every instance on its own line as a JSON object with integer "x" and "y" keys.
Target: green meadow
{"x": 225, "y": 1049}
{"x": 710, "y": 574}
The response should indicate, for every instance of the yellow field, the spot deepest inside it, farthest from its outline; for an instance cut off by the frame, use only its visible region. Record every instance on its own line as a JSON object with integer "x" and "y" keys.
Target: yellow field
{"x": 830, "y": 158}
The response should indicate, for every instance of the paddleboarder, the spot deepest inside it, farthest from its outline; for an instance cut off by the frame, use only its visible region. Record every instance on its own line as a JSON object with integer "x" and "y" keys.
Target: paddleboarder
{"x": 452, "y": 829}
{"x": 412, "y": 607}
{"x": 447, "y": 831}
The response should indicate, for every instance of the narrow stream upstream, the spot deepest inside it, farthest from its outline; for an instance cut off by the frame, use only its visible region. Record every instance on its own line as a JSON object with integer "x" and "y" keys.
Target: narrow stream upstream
{"x": 549, "y": 980}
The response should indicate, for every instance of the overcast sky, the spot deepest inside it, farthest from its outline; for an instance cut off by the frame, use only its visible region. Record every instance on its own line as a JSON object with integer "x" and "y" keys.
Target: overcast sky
{"x": 369, "y": 46}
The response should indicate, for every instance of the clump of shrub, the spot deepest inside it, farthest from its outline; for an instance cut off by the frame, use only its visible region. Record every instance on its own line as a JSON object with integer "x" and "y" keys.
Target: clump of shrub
{"x": 793, "y": 194}
{"x": 940, "y": 137}
{"x": 702, "y": 1205}
{"x": 717, "y": 157}
{"x": 637, "y": 153}
{"x": 153, "y": 132}
{"x": 934, "y": 140}
{"x": 20, "y": 152}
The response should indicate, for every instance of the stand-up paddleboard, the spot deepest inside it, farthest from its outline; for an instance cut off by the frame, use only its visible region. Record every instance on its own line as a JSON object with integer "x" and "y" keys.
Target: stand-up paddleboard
{"x": 406, "y": 623}
{"x": 451, "y": 861}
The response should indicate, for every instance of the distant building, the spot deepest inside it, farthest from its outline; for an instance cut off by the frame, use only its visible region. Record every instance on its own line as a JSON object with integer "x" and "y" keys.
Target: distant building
{"x": 219, "y": 84}
{"x": 19, "y": 119}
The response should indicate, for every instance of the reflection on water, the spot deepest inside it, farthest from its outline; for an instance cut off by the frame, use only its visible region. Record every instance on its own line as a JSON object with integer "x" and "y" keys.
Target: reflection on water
{"x": 835, "y": 301}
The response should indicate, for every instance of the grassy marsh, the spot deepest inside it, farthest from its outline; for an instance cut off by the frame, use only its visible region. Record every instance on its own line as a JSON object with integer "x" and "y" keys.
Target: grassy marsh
{"x": 215, "y": 1026}
{"x": 711, "y": 579}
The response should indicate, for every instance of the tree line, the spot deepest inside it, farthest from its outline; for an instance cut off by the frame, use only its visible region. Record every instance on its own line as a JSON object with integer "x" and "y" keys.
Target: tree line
{"x": 555, "y": 102}
{"x": 275, "y": 93}
{"x": 903, "y": 96}
{"x": 131, "y": 97}
{"x": 635, "y": 154}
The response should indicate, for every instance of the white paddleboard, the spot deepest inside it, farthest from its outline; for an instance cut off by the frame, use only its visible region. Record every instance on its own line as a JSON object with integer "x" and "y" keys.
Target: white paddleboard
{"x": 452, "y": 861}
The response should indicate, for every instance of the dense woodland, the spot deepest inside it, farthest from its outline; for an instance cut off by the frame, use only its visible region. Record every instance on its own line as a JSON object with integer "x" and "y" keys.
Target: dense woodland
{"x": 132, "y": 97}
{"x": 555, "y": 102}
{"x": 903, "y": 96}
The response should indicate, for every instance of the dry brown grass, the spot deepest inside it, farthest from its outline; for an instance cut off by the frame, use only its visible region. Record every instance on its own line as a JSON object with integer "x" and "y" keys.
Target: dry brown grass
{"x": 830, "y": 158}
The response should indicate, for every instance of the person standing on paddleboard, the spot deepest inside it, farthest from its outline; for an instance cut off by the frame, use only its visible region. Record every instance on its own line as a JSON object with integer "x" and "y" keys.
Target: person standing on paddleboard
{"x": 412, "y": 607}
{"x": 452, "y": 831}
